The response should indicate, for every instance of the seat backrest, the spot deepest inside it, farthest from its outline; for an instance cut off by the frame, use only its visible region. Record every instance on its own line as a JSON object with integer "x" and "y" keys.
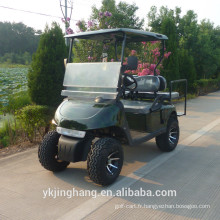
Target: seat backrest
{"x": 147, "y": 83}
{"x": 132, "y": 63}
{"x": 163, "y": 83}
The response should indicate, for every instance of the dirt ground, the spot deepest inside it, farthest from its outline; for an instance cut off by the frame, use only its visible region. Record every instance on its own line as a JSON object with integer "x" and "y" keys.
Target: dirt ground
{"x": 13, "y": 149}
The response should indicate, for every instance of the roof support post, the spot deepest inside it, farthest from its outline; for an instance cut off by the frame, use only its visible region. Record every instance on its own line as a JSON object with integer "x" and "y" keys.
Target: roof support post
{"x": 123, "y": 48}
{"x": 161, "y": 57}
{"x": 70, "y": 49}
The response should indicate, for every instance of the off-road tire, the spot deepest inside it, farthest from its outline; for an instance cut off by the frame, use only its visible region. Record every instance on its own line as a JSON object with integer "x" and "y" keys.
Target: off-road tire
{"x": 166, "y": 143}
{"x": 47, "y": 153}
{"x": 97, "y": 161}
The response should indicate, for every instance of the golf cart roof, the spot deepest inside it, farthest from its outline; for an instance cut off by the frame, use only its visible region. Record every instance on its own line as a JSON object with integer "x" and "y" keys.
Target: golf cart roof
{"x": 133, "y": 35}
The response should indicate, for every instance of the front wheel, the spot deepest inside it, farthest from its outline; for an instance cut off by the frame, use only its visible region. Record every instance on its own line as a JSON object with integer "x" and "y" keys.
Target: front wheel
{"x": 48, "y": 153}
{"x": 168, "y": 141}
{"x": 105, "y": 161}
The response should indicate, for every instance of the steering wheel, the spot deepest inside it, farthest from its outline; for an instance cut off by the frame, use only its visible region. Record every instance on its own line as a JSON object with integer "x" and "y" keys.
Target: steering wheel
{"x": 129, "y": 82}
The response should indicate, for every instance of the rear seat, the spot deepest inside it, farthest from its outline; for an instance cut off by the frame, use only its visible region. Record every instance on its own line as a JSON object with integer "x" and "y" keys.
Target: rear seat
{"x": 147, "y": 86}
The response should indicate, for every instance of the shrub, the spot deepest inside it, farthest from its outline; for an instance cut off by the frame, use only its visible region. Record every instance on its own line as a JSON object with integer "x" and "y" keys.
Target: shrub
{"x": 8, "y": 133}
{"x": 34, "y": 119}
{"x": 171, "y": 66}
{"x": 187, "y": 68}
{"x": 45, "y": 76}
{"x": 17, "y": 101}
{"x": 204, "y": 86}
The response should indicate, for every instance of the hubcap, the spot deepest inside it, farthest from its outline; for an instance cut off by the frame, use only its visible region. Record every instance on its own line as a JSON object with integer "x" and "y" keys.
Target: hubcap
{"x": 112, "y": 163}
{"x": 173, "y": 136}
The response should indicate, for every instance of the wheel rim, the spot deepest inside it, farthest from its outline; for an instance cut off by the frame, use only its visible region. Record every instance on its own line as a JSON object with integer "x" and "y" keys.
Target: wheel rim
{"x": 173, "y": 135}
{"x": 112, "y": 165}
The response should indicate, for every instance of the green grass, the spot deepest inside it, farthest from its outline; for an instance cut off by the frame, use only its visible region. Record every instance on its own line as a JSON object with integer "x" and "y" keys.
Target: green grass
{"x": 8, "y": 132}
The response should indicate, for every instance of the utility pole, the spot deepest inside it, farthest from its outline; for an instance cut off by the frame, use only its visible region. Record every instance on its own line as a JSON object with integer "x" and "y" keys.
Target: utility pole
{"x": 66, "y": 41}
{"x": 64, "y": 5}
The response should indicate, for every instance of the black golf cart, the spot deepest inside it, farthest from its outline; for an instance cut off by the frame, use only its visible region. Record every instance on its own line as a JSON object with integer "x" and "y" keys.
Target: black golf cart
{"x": 106, "y": 107}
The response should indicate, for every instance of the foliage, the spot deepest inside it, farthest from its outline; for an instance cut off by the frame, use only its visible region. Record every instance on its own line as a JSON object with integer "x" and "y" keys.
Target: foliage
{"x": 187, "y": 68}
{"x": 204, "y": 86}
{"x": 148, "y": 57}
{"x": 13, "y": 58}
{"x": 188, "y": 31}
{"x": 17, "y": 42}
{"x": 45, "y": 76}
{"x": 8, "y": 132}
{"x": 206, "y": 61}
{"x": 66, "y": 21}
{"x": 17, "y": 101}
{"x": 171, "y": 66}
{"x": 17, "y": 38}
{"x": 194, "y": 47}
{"x": 33, "y": 119}
{"x": 197, "y": 45}
{"x": 109, "y": 15}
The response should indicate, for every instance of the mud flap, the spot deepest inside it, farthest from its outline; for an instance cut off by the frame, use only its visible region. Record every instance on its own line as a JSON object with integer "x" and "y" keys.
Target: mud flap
{"x": 72, "y": 149}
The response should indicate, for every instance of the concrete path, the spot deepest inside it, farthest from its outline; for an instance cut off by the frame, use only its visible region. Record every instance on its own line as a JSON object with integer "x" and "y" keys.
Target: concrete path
{"x": 184, "y": 184}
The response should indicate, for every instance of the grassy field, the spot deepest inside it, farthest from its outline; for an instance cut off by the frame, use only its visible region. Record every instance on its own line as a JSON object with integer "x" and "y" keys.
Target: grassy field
{"x": 12, "y": 80}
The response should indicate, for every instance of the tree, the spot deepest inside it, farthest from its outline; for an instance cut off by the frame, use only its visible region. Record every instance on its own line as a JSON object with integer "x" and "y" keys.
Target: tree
{"x": 216, "y": 39}
{"x": 207, "y": 52}
{"x": 155, "y": 19}
{"x": 17, "y": 38}
{"x": 109, "y": 15}
{"x": 188, "y": 32}
{"x": 123, "y": 15}
{"x": 171, "y": 66}
{"x": 187, "y": 68}
{"x": 45, "y": 76}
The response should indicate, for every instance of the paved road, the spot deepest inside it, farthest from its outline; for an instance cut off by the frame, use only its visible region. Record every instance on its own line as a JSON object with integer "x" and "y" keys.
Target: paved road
{"x": 192, "y": 171}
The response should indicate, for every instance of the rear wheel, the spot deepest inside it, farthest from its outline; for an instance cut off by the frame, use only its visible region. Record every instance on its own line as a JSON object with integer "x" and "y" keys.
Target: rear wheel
{"x": 48, "y": 153}
{"x": 168, "y": 141}
{"x": 105, "y": 161}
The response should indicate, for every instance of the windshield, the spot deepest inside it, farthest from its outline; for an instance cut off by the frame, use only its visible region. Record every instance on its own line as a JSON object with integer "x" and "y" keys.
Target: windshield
{"x": 92, "y": 79}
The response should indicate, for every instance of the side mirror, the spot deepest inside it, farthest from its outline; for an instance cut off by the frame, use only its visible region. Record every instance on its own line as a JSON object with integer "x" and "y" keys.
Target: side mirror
{"x": 132, "y": 63}
{"x": 65, "y": 62}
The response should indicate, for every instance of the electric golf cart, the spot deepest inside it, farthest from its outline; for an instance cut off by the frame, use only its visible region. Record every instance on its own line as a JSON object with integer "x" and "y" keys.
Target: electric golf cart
{"x": 105, "y": 107}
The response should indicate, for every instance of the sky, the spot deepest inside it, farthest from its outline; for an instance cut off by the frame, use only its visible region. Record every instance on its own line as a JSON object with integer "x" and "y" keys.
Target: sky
{"x": 82, "y": 10}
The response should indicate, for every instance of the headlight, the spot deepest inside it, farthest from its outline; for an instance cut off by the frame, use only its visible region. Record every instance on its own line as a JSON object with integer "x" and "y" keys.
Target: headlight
{"x": 70, "y": 132}
{"x": 53, "y": 122}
